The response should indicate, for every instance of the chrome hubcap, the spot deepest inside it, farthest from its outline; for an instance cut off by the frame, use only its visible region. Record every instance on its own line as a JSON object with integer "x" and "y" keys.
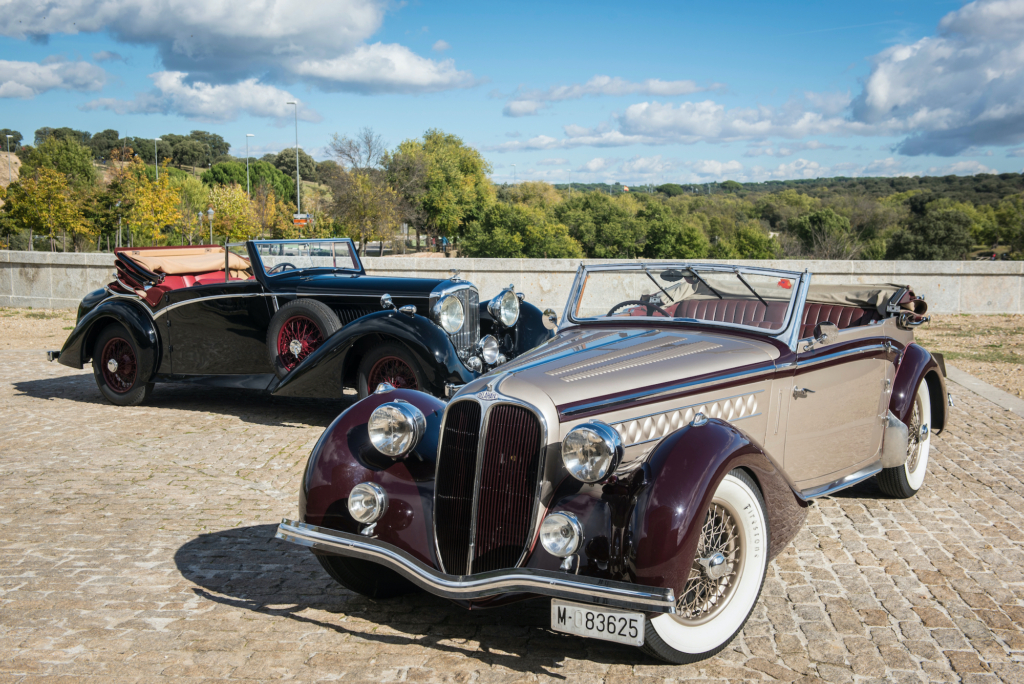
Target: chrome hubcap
{"x": 112, "y": 366}
{"x": 716, "y": 567}
{"x": 295, "y": 347}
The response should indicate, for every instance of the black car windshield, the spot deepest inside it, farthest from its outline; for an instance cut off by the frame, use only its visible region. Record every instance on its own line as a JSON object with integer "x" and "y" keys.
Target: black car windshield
{"x": 686, "y": 292}
{"x": 281, "y": 256}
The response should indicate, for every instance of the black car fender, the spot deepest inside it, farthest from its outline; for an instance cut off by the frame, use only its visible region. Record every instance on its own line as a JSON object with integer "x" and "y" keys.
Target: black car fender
{"x": 323, "y": 373}
{"x": 527, "y": 333}
{"x": 77, "y": 350}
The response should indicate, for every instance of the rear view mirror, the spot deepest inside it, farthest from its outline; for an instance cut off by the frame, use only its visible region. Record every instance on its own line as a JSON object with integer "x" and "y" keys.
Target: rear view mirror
{"x": 825, "y": 333}
{"x": 550, "y": 319}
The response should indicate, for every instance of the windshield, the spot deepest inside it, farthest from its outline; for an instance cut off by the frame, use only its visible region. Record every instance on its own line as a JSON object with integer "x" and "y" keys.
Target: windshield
{"x": 687, "y": 292}
{"x": 279, "y": 256}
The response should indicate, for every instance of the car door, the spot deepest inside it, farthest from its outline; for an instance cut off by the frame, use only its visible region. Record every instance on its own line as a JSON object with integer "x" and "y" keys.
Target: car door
{"x": 837, "y": 404}
{"x": 219, "y": 329}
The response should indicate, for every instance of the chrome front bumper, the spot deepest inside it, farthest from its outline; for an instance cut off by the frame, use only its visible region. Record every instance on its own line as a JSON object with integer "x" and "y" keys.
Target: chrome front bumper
{"x": 561, "y": 585}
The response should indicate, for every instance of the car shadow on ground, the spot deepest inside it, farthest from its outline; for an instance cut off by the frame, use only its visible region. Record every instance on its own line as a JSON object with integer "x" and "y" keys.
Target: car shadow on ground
{"x": 250, "y": 406}
{"x": 248, "y": 568}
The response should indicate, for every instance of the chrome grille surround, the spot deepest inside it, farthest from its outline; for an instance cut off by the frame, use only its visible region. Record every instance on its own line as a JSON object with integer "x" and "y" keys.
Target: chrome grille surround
{"x": 466, "y": 339}
{"x": 486, "y": 407}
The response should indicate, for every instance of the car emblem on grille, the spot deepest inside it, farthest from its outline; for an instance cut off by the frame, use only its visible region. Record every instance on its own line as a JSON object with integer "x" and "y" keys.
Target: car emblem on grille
{"x": 488, "y": 396}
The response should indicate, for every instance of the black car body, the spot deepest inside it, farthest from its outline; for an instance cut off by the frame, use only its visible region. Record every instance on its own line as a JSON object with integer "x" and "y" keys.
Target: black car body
{"x": 232, "y": 327}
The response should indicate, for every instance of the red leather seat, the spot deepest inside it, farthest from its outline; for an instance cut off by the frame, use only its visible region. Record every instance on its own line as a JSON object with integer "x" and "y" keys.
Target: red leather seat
{"x": 842, "y": 316}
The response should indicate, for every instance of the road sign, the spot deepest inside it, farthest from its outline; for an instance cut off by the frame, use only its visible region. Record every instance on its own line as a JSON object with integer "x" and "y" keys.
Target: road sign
{"x": 300, "y": 216}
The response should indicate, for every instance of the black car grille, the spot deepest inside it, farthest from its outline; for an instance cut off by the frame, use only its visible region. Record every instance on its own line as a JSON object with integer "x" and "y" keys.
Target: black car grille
{"x": 468, "y": 336}
{"x": 349, "y": 314}
{"x": 504, "y": 494}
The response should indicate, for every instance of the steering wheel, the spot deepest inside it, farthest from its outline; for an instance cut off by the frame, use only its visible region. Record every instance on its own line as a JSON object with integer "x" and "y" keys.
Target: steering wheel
{"x": 651, "y": 307}
{"x": 284, "y": 265}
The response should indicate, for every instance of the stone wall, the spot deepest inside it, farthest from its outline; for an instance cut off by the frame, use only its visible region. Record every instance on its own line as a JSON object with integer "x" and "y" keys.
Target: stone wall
{"x": 46, "y": 280}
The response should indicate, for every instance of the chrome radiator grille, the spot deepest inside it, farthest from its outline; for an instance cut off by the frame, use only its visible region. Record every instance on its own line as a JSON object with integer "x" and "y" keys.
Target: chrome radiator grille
{"x": 502, "y": 494}
{"x": 467, "y": 338}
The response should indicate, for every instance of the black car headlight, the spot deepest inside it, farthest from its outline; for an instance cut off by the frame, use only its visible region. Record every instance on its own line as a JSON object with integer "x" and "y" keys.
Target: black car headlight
{"x": 450, "y": 314}
{"x": 396, "y": 428}
{"x": 505, "y": 308}
{"x": 592, "y": 451}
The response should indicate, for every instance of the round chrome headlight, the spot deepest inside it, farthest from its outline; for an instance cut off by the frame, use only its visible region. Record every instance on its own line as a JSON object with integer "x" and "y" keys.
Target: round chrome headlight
{"x": 450, "y": 314}
{"x": 561, "y": 534}
{"x": 367, "y": 502}
{"x": 489, "y": 349}
{"x": 505, "y": 308}
{"x": 592, "y": 451}
{"x": 396, "y": 427}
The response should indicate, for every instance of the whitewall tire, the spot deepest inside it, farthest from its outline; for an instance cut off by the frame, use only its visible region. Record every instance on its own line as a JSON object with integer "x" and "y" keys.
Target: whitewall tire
{"x": 903, "y": 482}
{"x": 722, "y": 589}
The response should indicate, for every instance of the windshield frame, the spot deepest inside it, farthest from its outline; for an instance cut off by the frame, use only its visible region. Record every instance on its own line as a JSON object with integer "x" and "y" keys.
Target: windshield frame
{"x": 789, "y": 333}
{"x": 360, "y": 270}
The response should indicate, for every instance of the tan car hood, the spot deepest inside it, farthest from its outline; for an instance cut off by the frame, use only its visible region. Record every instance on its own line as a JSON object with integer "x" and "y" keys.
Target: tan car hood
{"x": 587, "y": 363}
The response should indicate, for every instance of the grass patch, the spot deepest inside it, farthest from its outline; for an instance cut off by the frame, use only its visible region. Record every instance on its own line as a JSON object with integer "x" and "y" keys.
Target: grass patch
{"x": 988, "y": 355}
{"x": 43, "y": 315}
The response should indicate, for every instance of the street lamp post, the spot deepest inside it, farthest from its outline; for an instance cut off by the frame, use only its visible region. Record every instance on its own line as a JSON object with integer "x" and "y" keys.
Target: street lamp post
{"x": 156, "y": 161}
{"x": 513, "y": 174}
{"x": 247, "y": 136}
{"x": 298, "y": 199}
{"x": 8, "y": 160}
{"x": 119, "y": 223}
{"x": 209, "y": 214}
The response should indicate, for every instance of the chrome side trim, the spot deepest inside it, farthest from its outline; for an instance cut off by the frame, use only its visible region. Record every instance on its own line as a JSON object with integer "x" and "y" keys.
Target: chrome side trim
{"x": 810, "y": 363}
{"x": 590, "y": 590}
{"x": 842, "y": 483}
{"x": 196, "y": 300}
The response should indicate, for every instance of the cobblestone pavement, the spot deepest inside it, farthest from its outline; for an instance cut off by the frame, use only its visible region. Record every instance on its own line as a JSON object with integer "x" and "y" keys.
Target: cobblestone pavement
{"x": 136, "y": 545}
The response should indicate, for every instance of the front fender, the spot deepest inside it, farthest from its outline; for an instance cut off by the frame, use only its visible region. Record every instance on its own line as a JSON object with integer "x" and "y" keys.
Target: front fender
{"x": 77, "y": 350}
{"x": 530, "y": 328}
{"x": 321, "y": 374}
{"x": 919, "y": 365}
{"x": 344, "y": 456}
{"x": 683, "y": 474}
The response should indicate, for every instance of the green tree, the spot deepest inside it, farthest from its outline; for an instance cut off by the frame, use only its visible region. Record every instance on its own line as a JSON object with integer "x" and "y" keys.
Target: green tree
{"x": 817, "y": 226}
{"x": 365, "y": 203}
{"x": 103, "y": 143}
{"x": 933, "y": 235}
{"x": 227, "y": 173}
{"x": 604, "y": 227}
{"x": 15, "y": 139}
{"x": 192, "y": 198}
{"x": 216, "y": 144}
{"x": 46, "y": 203}
{"x": 285, "y": 162}
{"x": 65, "y": 155}
{"x": 752, "y": 242}
{"x": 190, "y": 152}
{"x": 519, "y": 231}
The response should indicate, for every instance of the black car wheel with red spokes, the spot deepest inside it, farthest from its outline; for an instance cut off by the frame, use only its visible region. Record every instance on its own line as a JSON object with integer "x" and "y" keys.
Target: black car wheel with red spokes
{"x": 115, "y": 365}
{"x": 296, "y": 331}
{"x": 392, "y": 363}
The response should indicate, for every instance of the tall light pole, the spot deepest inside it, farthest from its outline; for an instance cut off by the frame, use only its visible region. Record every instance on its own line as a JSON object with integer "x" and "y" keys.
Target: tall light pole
{"x": 298, "y": 199}
{"x": 156, "y": 161}
{"x": 247, "y": 136}
{"x": 209, "y": 213}
{"x": 8, "y": 160}
{"x": 513, "y": 174}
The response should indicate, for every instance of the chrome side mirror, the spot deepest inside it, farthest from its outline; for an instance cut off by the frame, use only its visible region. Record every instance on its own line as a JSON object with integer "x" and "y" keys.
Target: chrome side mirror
{"x": 825, "y": 333}
{"x": 550, "y": 319}
{"x": 385, "y": 302}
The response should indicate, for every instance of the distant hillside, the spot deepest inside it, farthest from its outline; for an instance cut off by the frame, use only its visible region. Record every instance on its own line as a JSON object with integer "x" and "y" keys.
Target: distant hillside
{"x": 983, "y": 189}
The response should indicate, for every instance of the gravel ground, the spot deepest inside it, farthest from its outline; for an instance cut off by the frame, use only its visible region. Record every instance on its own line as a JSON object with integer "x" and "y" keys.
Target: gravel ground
{"x": 34, "y": 329}
{"x": 987, "y": 347}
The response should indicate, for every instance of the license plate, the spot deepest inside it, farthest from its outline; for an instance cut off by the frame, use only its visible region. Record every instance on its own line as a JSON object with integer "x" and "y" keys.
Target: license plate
{"x": 598, "y": 623}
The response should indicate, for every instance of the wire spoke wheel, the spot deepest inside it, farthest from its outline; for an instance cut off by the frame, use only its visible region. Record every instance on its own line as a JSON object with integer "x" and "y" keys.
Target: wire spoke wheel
{"x": 914, "y": 430}
{"x": 299, "y": 337}
{"x": 717, "y": 564}
{"x": 119, "y": 365}
{"x": 394, "y": 371}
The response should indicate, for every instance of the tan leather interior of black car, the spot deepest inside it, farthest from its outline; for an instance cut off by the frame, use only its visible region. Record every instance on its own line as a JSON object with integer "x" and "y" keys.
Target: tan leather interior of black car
{"x": 186, "y": 261}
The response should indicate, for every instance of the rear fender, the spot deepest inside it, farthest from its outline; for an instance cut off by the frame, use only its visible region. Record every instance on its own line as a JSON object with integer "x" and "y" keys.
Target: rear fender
{"x": 917, "y": 366}
{"x": 345, "y": 457}
{"x": 77, "y": 350}
{"x": 322, "y": 373}
{"x": 682, "y": 476}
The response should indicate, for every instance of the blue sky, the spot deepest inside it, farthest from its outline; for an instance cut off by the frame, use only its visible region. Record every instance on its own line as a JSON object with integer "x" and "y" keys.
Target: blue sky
{"x": 628, "y": 92}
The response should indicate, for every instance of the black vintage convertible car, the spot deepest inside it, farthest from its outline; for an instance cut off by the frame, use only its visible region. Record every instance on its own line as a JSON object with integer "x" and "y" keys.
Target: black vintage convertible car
{"x": 291, "y": 317}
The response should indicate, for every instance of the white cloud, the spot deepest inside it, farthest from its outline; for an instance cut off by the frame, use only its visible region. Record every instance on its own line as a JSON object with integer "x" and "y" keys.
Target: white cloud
{"x": 557, "y": 161}
{"x": 441, "y": 46}
{"x": 961, "y": 168}
{"x": 384, "y": 68}
{"x": 273, "y": 40}
{"x": 108, "y": 56}
{"x": 529, "y": 102}
{"x": 766, "y": 149}
{"x": 1019, "y": 152}
{"x": 27, "y": 79}
{"x": 596, "y": 164}
{"x": 206, "y": 102}
{"x": 646, "y": 166}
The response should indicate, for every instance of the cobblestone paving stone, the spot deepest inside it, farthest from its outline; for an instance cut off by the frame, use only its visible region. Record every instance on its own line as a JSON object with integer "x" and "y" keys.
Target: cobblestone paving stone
{"x": 136, "y": 546}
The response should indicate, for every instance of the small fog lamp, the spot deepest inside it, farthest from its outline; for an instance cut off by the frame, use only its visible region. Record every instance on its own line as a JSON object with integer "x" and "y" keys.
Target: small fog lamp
{"x": 367, "y": 502}
{"x": 561, "y": 534}
{"x": 489, "y": 349}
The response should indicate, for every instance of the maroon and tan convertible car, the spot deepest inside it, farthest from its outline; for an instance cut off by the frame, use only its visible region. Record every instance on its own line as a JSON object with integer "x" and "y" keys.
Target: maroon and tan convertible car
{"x": 643, "y": 466}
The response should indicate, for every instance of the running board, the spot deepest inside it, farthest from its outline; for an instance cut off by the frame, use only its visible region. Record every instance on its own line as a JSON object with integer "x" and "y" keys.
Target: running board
{"x": 841, "y": 483}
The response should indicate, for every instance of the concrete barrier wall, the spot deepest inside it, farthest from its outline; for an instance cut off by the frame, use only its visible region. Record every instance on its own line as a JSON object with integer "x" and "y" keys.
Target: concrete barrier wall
{"x": 46, "y": 280}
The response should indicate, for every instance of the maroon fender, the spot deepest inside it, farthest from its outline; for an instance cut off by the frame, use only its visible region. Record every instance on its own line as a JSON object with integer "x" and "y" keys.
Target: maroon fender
{"x": 917, "y": 364}
{"x": 344, "y": 456}
{"x": 682, "y": 475}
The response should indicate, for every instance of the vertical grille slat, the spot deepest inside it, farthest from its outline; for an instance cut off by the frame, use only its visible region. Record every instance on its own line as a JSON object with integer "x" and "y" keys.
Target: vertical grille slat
{"x": 456, "y": 471}
{"x": 468, "y": 337}
{"x": 508, "y": 482}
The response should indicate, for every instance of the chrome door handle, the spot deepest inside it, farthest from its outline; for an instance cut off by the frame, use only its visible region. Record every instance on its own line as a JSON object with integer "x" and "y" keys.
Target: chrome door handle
{"x": 801, "y": 392}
